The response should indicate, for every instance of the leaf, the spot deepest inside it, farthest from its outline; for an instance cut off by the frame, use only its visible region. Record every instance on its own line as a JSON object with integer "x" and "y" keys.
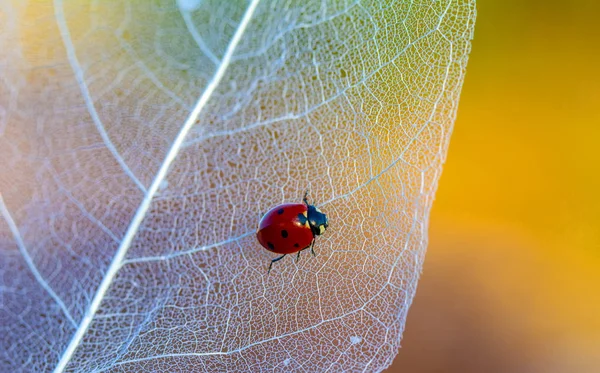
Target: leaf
{"x": 141, "y": 141}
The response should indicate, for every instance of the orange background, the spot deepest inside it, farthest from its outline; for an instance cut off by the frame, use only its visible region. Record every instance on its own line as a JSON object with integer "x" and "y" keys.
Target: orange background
{"x": 511, "y": 281}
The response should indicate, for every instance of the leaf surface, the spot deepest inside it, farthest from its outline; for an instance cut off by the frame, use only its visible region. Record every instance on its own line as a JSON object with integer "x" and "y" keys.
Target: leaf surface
{"x": 142, "y": 140}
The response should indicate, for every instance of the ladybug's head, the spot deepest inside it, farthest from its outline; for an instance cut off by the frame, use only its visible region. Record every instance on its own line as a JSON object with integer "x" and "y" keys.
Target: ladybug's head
{"x": 317, "y": 220}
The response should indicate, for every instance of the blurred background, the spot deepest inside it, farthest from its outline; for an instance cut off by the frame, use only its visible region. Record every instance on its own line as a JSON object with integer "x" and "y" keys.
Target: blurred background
{"x": 511, "y": 281}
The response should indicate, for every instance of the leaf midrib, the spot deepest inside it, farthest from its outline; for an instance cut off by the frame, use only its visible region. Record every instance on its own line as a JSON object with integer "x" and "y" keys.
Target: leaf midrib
{"x": 140, "y": 214}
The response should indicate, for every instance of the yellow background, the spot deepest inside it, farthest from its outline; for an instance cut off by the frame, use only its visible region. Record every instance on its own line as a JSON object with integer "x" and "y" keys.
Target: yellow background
{"x": 512, "y": 275}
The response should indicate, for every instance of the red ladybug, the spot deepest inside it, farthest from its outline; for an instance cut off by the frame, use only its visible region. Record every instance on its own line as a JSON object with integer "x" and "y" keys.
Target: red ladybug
{"x": 290, "y": 228}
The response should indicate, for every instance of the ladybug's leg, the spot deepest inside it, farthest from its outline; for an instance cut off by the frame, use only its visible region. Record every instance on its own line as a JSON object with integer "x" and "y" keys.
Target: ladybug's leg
{"x": 311, "y": 250}
{"x": 305, "y": 199}
{"x": 312, "y": 246}
{"x": 274, "y": 260}
{"x": 298, "y": 256}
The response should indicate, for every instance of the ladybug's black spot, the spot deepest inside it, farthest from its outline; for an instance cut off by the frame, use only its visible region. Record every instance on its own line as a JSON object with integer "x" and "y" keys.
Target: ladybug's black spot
{"x": 284, "y": 233}
{"x": 271, "y": 246}
{"x": 280, "y": 211}
{"x": 296, "y": 245}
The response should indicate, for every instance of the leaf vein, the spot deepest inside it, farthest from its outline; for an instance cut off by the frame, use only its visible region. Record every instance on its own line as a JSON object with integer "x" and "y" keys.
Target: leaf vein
{"x": 89, "y": 103}
{"x": 132, "y": 230}
{"x": 29, "y": 261}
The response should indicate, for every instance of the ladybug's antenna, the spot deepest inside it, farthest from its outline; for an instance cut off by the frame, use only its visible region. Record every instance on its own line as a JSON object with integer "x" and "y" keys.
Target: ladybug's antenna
{"x": 305, "y": 199}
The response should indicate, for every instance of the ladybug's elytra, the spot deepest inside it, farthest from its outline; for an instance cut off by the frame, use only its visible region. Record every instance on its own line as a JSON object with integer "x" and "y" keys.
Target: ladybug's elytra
{"x": 290, "y": 228}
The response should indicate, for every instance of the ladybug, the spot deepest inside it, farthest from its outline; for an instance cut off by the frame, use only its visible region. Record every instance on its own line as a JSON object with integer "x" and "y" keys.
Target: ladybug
{"x": 290, "y": 228}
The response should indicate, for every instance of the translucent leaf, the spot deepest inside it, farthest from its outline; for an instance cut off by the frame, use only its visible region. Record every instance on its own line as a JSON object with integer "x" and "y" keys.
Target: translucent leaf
{"x": 142, "y": 140}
